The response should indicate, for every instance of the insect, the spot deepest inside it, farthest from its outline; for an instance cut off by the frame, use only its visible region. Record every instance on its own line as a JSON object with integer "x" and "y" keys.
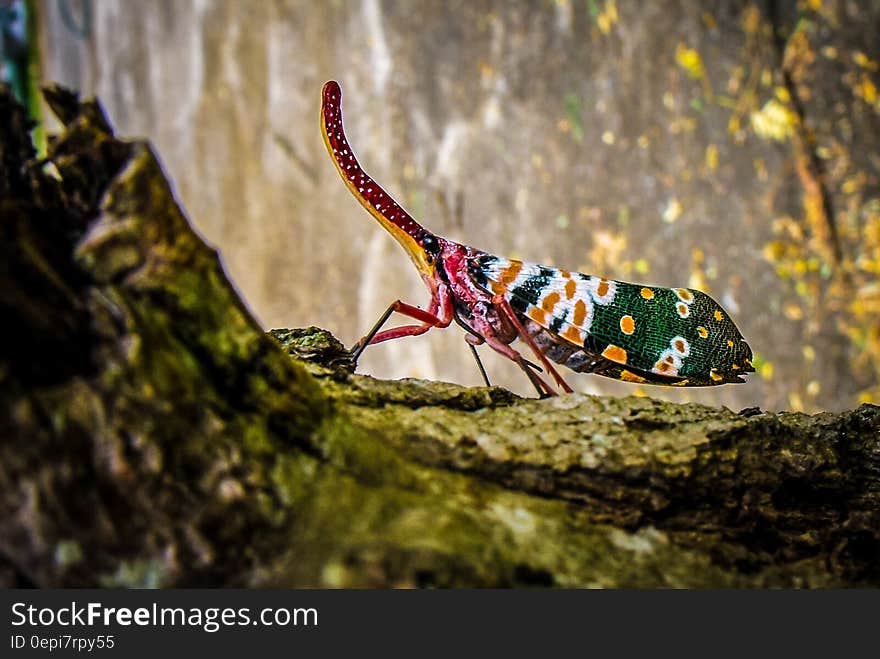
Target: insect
{"x": 631, "y": 332}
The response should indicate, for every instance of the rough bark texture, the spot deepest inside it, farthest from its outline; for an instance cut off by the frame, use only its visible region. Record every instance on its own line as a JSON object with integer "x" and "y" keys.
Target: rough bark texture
{"x": 153, "y": 435}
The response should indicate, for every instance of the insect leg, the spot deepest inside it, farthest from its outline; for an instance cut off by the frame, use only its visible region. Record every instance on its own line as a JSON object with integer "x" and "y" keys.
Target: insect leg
{"x": 429, "y": 318}
{"x": 533, "y": 365}
{"x": 544, "y": 389}
{"x": 479, "y": 362}
{"x": 473, "y": 339}
{"x": 504, "y": 306}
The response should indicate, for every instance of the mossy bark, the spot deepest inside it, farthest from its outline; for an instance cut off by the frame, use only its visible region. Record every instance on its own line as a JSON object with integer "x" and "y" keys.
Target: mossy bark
{"x": 153, "y": 435}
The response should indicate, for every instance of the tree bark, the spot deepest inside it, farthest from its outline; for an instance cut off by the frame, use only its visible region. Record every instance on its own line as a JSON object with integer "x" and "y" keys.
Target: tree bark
{"x": 154, "y": 435}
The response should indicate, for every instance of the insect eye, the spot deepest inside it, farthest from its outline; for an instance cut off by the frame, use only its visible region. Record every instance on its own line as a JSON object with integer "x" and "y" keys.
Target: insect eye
{"x": 430, "y": 244}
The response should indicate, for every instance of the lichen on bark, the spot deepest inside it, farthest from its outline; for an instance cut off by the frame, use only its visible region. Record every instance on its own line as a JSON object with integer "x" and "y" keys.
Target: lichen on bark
{"x": 153, "y": 435}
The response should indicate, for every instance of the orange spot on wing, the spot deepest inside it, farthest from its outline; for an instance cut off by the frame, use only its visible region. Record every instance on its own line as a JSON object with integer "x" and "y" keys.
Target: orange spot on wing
{"x": 615, "y": 354}
{"x": 565, "y": 273}
{"x": 602, "y": 288}
{"x": 570, "y": 288}
{"x": 549, "y": 301}
{"x": 510, "y": 273}
{"x": 682, "y": 309}
{"x": 573, "y": 334}
{"x": 663, "y": 366}
{"x": 538, "y": 315}
{"x": 680, "y": 383}
{"x": 729, "y": 343}
{"x": 703, "y": 332}
{"x": 735, "y": 367}
{"x": 580, "y": 313}
{"x": 627, "y": 325}
{"x": 627, "y": 376}
{"x": 715, "y": 376}
{"x": 718, "y": 315}
{"x": 647, "y": 293}
{"x": 679, "y": 345}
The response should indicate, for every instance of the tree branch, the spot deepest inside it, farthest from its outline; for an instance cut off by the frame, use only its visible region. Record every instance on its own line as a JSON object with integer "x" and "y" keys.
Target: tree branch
{"x": 153, "y": 435}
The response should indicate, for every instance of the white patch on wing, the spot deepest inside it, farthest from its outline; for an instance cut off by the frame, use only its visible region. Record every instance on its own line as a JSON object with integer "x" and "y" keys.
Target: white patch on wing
{"x": 548, "y": 295}
{"x": 567, "y": 331}
{"x": 568, "y": 309}
{"x": 495, "y": 267}
{"x": 668, "y": 363}
{"x": 587, "y": 290}
{"x": 602, "y": 290}
{"x": 676, "y": 342}
{"x": 685, "y": 295}
{"x": 528, "y": 271}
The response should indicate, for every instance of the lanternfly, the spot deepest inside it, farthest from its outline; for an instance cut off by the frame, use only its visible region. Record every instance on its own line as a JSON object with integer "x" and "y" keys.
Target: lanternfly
{"x": 631, "y": 332}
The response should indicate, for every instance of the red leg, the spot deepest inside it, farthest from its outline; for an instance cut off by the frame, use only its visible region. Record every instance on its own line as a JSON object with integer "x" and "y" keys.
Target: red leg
{"x": 544, "y": 389}
{"x": 504, "y": 305}
{"x": 440, "y": 301}
{"x": 404, "y": 330}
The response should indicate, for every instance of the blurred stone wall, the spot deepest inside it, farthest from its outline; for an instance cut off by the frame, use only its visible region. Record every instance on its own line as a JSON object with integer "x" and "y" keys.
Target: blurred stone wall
{"x": 728, "y": 147}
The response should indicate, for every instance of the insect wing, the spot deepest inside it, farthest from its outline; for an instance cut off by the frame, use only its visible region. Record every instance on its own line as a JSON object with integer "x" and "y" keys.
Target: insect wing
{"x": 678, "y": 334}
